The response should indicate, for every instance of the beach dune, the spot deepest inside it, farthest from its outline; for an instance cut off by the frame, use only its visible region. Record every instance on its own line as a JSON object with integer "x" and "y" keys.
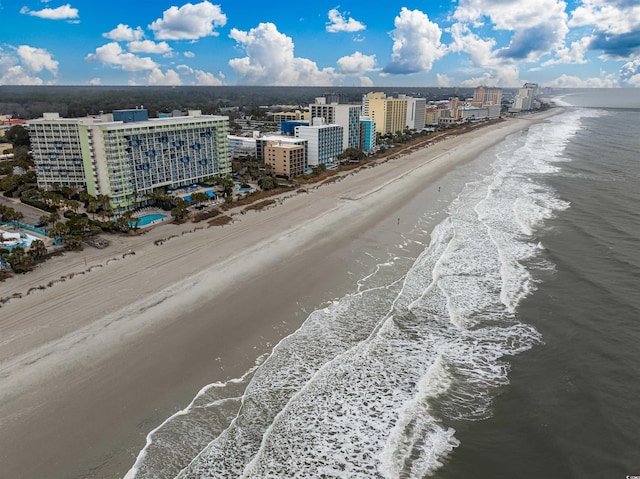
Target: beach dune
{"x": 89, "y": 365}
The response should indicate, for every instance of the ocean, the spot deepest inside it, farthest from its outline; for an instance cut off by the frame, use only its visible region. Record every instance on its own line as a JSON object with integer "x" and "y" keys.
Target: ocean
{"x": 497, "y": 337}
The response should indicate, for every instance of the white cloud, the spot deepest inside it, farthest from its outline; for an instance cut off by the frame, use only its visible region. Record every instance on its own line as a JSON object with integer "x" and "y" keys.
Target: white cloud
{"x": 189, "y": 54}
{"x": 507, "y": 76}
{"x": 616, "y": 26}
{"x": 37, "y": 59}
{"x": 538, "y": 27}
{"x": 112, "y": 54}
{"x": 338, "y": 23}
{"x": 124, "y": 33}
{"x": 366, "y": 81}
{"x": 630, "y": 72}
{"x": 148, "y": 46}
{"x": 207, "y": 79}
{"x": 65, "y": 12}
{"x": 95, "y": 81}
{"x": 444, "y": 80}
{"x": 201, "y": 77}
{"x": 416, "y": 43}
{"x": 169, "y": 78}
{"x": 16, "y": 75}
{"x": 574, "y": 54}
{"x": 608, "y": 16}
{"x": 270, "y": 60}
{"x": 356, "y": 64}
{"x": 11, "y": 73}
{"x": 494, "y": 70}
{"x": 569, "y": 81}
{"x": 479, "y": 49}
{"x": 189, "y": 22}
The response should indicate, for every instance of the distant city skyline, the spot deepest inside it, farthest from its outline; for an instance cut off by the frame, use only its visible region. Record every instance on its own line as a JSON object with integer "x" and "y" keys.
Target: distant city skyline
{"x": 572, "y": 44}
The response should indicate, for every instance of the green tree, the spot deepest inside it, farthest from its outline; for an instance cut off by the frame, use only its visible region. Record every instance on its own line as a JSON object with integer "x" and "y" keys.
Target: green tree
{"x": 126, "y": 221}
{"x": 180, "y": 210}
{"x": 17, "y": 135}
{"x": 73, "y": 243}
{"x": 19, "y": 260}
{"x": 105, "y": 205}
{"x": 59, "y": 230}
{"x": 267, "y": 183}
{"x": 199, "y": 197}
{"x": 227, "y": 185}
{"x": 37, "y": 249}
{"x": 74, "y": 205}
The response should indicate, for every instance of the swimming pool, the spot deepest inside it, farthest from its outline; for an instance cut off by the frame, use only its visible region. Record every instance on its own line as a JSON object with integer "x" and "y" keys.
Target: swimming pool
{"x": 146, "y": 220}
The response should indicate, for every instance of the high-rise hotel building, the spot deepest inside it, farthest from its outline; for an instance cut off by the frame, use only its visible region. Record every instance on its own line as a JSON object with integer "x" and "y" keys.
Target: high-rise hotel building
{"x": 345, "y": 115}
{"x": 126, "y": 155}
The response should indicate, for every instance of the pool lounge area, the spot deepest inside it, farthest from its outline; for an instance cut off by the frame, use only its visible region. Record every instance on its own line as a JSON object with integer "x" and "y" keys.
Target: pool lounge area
{"x": 150, "y": 219}
{"x": 12, "y": 240}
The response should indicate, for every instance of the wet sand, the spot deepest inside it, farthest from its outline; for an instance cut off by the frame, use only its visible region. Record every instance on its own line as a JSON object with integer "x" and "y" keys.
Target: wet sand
{"x": 91, "y": 364}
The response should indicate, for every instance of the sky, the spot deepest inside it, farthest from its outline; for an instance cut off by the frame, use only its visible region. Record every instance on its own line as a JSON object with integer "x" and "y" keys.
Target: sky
{"x": 428, "y": 43}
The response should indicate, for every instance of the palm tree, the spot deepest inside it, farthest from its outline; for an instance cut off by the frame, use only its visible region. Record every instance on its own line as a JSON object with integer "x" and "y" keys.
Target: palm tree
{"x": 127, "y": 221}
{"x": 105, "y": 203}
{"x": 59, "y": 230}
{"x": 37, "y": 249}
{"x": 74, "y": 205}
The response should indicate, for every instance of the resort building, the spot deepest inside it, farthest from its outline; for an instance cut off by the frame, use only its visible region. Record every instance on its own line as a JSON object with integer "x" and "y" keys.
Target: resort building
{"x": 125, "y": 155}
{"x": 431, "y": 116}
{"x": 523, "y": 101}
{"x": 287, "y": 115}
{"x": 416, "y": 112}
{"x": 288, "y": 127}
{"x": 345, "y": 115}
{"x": 285, "y": 159}
{"x": 390, "y": 114}
{"x": 484, "y": 96}
{"x": 261, "y": 144}
{"x": 367, "y": 134}
{"x": 240, "y": 146}
{"x": 324, "y": 142}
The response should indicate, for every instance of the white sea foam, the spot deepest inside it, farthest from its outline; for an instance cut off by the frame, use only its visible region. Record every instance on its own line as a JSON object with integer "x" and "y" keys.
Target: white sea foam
{"x": 369, "y": 386}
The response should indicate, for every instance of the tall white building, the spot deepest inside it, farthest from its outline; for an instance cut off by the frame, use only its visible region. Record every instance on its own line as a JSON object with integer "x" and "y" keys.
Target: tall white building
{"x": 524, "y": 99}
{"x": 126, "y": 155}
{"x": 416, "y": 112}
{"x": 324, "y": 142}
{"x": 345, "y": 115}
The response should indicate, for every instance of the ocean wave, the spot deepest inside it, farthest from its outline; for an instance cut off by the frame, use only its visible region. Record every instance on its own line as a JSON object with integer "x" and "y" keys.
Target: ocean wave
{"x": 372, "y": 384}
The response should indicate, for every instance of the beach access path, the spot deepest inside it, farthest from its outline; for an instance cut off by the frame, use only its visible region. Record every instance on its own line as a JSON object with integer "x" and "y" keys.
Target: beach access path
{"x": 89, "y": 365}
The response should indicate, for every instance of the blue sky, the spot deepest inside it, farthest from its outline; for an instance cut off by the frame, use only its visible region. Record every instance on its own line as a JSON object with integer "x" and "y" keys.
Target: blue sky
{"x": 573, "y": 43}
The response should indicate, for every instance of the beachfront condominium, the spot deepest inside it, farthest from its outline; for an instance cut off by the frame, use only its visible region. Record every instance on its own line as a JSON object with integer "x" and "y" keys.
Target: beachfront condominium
{"x": 416, "y": 112}
{"x": 125, "y": 155}
{"x": 524, "y": 99}
{"x": 343, "y": 114}
{"x": 285, "y": 158}
{"x": 324, "y": 142}
{"x": 485, "y": 96}
{"x": 367, "y": 134}
{"x": 390, "y": 114}
{"x": 264, "y": 140}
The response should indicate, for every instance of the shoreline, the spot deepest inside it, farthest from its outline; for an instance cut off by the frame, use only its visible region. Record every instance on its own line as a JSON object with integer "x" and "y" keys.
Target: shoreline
{"x": 97, "y": 343}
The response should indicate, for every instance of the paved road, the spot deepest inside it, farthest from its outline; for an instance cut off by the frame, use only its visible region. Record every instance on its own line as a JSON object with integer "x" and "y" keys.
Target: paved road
{"x": 31, "y": 215}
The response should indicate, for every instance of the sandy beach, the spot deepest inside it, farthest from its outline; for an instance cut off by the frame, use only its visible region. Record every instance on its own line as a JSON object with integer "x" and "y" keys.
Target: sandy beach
{"x": 91, "y": 364}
